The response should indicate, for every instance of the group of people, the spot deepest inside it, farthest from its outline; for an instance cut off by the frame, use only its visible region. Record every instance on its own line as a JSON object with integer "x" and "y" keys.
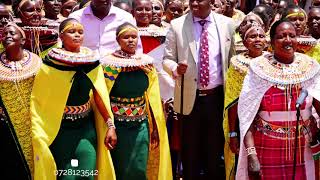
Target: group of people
{"x": 147, "y": 89}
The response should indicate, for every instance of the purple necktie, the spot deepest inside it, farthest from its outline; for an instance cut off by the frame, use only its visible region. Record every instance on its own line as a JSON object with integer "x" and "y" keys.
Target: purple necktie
{"x": 204, "y": 55}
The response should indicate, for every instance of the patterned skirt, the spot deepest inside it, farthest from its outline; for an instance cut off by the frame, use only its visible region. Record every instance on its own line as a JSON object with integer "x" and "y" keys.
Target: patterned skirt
{"x": 274, "y": 144}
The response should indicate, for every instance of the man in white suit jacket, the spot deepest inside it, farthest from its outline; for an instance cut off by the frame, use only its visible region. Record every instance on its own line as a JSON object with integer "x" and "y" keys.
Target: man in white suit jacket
{"x": 202, "y": 142}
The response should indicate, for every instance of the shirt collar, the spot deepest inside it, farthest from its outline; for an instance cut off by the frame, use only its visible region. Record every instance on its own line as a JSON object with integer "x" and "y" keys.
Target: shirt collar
{"x": 88, "y": 11}
{"x": 209, "y": 18}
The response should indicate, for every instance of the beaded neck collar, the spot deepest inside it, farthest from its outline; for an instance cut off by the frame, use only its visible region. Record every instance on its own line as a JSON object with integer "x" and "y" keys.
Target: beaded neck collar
{"x": 241, "y": 62}
{"x": 301, "y": 69}
{"x": 15, "y": 65}
{"x": 18, "y": 70}
{"x": 122, "y": 54}
{"x": 85, "y": 56}
{"x": 118, "y": 59}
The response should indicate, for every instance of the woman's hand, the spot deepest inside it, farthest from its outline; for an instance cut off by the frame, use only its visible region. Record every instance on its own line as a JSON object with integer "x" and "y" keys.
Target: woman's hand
{"x": 234, "y": 145}
{"x": 111, "y": 138}
{"x": 254, "y": 166}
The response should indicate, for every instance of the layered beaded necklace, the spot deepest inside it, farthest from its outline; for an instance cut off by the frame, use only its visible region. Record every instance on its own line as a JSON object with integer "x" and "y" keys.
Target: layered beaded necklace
{"x": 301, "y": 69}
{"x": 241, "y": 62}
{"x": 19, "y": 70}
{"x": 16, "y": 65}
{"x": 85, "y": 56}
{"x": 120, "y": 61}
{"x": 123, "y": 54}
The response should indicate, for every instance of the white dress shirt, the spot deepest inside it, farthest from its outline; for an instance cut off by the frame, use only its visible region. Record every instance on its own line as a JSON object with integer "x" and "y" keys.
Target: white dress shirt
{"x": 100, "y": 35}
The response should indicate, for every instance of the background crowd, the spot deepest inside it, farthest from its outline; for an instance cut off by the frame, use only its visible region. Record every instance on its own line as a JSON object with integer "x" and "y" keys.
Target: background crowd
{"x": 152, "y": 89}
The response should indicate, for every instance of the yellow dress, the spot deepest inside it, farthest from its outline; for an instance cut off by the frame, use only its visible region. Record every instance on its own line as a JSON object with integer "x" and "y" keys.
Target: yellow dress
{"x": 235, "y": 75}
{"x": 17, "y": 103}
{"x": 47, "y": 108}
{"x": 15, "y": 93}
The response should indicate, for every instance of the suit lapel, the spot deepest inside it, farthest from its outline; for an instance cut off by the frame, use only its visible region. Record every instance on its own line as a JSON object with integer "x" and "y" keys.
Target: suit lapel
{"x": 188, "y": 30}
{"x": 221, "y": 34}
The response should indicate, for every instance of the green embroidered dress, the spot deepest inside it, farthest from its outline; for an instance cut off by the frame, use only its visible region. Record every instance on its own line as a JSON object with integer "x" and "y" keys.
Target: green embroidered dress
{"x": 131, "y": 154}
{"x": 128, "y": 103}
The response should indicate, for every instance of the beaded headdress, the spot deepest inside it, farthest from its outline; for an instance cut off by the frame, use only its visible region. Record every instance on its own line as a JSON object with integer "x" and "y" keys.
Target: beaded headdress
{"x": 71, "y": 24}
{"x": 126, "y": 29}
{"x": 17, "y": 27}
{"x": 301, "y": 14}
{"x": 254, "y": 26}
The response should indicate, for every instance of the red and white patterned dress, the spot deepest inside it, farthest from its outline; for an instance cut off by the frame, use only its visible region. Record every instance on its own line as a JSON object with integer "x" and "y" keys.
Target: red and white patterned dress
{"x": 274, "y": 133}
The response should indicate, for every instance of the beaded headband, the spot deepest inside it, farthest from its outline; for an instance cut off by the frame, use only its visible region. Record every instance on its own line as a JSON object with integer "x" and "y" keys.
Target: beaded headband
{"x": 17, "y": 27}
{"x": 254, "y": 26}
{"x": 127, "y": 29}
{"x": 71, "y": 24}
{"x": 300, "y": 14}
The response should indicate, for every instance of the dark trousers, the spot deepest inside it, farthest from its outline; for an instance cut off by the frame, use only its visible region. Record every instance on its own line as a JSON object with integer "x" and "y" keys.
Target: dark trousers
{"x": 203, "y": 139}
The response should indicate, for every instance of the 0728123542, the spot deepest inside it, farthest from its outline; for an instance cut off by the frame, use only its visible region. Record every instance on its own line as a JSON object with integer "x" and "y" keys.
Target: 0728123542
{"x": 76, "y": 172}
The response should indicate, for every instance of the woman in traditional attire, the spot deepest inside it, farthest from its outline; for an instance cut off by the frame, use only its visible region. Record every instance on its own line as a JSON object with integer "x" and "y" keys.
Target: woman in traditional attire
{"x": 298, "y": 18}
{"x": 71, "y": 114}
{"x": 244, "y": 25}
{"x": 267, "y": 111}
{"x": 254, "y": 39}
{"x": 40, "y": 37}
{"x": 17, "y": 70}
{"x": 151, "y": 35}
{"x": 142, "y": 151}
